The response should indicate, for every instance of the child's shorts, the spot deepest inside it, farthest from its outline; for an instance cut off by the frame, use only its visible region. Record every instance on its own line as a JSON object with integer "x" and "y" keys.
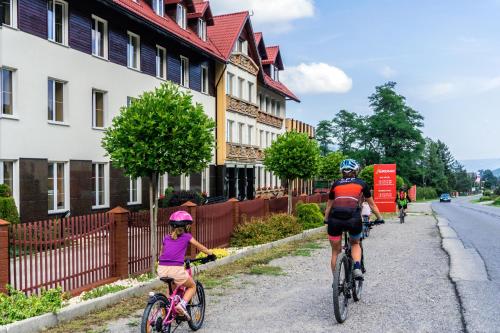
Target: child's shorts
{"x": 178, "y": 273}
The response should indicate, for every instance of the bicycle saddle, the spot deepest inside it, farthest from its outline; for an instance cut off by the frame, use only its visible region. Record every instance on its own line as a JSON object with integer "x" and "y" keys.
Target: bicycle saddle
{"x": 167, "y": 280}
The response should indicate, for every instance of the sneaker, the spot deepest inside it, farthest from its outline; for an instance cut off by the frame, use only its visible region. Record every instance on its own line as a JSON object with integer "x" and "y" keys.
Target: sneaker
{"x": 182, "y": 311}
{"x": 358, "y": 274}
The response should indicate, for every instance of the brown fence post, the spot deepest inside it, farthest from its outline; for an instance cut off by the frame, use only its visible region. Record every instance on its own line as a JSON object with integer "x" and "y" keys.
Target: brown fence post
{"x": 4, "y": 256}
{"x": 119, "y": 217}
{"x": 191, "y": 209}
{"x": 266, "y": 207}
{"x": 236, "y": 212}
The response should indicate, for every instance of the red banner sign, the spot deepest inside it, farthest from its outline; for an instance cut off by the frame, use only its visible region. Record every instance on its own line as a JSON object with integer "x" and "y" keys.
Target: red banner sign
{"x": 384, "y": 181}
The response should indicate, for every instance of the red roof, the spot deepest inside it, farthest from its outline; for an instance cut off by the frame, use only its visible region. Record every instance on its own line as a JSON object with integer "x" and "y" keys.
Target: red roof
{"x": 280, "y": 87}
{"x": 258, "y": 37}
{"x": 226, "y": 29}
{"x": 143, "y": 10}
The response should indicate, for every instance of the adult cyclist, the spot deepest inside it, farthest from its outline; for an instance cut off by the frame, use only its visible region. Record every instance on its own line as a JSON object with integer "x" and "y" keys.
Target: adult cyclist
{"x": 343, "y": 212}
{"x": 402, "y": 199}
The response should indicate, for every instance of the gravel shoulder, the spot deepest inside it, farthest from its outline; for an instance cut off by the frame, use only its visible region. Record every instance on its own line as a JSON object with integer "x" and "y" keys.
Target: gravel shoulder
{"x": 406, "y": 290}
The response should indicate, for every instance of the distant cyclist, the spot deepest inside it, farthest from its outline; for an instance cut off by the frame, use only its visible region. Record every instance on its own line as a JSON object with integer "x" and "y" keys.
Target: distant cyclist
{"x": 343, "y": 212}
{"x": 402, "y": 199}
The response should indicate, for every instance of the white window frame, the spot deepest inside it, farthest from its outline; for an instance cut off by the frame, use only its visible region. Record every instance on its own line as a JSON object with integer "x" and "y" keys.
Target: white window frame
{"x": 64, "y": 40}
{"x": 229, "y": 130}
{"x": 137, "y": 50}
{"x": 12, "y": 92}
{"x": 202, "y": 29}
{"x": 95, "y": 48}
{"x": 138, "y": 192}
{"x": 104, "y": 204}
{"x": 162, "y": 184}
{"x": 261, "y": 138}
{"x": 250, "y": 91}
{"x": 241, "y": 84}
{"x": 104, "y": 108}
{"x": 161, "y": 50}
{"x": 204, "y": 79}
{"x": 241, "y": 130}
{"x": 53, "y": 120}
{"x": 184, "y": 71}
{"x": 130, "y": 99}
{"x": 182, "y": 18}
{"x": 250, "y": 134}
{"x": 158, "y": 7}
{"x": 66, "y": 183}
{"x": 2, "y": 180}
{"x": 230, "y": 84}
{"x": 13, "y": 14}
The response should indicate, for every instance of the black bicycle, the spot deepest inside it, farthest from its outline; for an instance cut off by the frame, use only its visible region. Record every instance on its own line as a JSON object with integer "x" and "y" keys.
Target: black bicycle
{"x": 402, "y": 215}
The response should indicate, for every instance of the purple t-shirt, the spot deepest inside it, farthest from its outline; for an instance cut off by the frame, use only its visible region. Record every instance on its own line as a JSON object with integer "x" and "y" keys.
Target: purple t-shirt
{"x": 174, "y": 251}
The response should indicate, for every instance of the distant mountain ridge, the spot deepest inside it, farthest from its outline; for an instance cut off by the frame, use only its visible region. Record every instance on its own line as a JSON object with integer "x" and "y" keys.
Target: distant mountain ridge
{"x": 496, "y": 172}
{"x": 482, "y": 164}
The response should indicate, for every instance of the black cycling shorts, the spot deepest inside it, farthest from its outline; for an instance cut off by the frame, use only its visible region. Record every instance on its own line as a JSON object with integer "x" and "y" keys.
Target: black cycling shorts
{"x": 336, "y": 227}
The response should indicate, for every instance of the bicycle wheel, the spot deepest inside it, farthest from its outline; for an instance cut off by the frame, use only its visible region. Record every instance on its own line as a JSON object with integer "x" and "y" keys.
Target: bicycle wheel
{"x": 341, "y": 288}
{"x": 196, "y": 308}
{"x": 357, "y": 288}
{"x": 401, "y": 216}
{"x": 154, "y": 315}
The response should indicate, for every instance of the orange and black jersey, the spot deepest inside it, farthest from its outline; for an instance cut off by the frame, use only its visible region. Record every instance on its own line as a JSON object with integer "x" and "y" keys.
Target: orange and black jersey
{"x": 348, "y": 192}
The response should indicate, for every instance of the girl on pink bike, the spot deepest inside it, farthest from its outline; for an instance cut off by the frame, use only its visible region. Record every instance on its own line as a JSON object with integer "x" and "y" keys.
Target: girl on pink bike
{"x": 171, "y": 261}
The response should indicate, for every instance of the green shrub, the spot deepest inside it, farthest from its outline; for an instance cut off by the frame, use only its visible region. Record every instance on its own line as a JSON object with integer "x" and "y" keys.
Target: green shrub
{"x": 497, "y": 190}
{"x": 17, "y": 306}
{"x": 488, "y": 198}
{"x": 496, "y": 202}
{"x": 266, "y": 230}
{"x": 309, "y": 215}
{"x": 426, "y": 193}
{"x": 399, "y": 182}
{"x": 367, "y": 175}
{"x": 101, "y": 291}
{"x": 322, "y": 207}
{"x": 8, "y": 210}
{"x": 487, "y": 193}
{"x": 5, "y": 191}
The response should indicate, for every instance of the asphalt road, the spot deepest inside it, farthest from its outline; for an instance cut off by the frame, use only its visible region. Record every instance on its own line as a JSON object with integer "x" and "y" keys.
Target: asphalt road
{"x": 478, "y": 227}
{"x": 407, "y": 289}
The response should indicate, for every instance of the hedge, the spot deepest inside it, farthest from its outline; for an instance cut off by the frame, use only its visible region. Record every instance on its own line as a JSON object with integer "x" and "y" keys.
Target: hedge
{"x": 425, "y": 193}
{"x": 309, "y": 215}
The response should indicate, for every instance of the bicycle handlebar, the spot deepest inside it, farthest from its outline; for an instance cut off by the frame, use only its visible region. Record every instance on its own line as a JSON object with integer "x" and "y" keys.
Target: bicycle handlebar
{"x": 203, "y": 260}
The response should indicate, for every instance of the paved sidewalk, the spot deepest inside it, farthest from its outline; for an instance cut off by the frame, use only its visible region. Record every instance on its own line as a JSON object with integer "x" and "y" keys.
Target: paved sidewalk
{"x": 406, "y": 290}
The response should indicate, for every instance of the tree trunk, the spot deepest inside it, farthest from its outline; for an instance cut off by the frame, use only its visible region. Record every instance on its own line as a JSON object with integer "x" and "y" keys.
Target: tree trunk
{"x": 290, "y": 201}
{"x": 153, "y": 214}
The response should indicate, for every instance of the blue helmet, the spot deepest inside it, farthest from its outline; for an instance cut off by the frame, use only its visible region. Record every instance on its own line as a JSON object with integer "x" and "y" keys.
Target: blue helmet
{"x": 349, "y": 164}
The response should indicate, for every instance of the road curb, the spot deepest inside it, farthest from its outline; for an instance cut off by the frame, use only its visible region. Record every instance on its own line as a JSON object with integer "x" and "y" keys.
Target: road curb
{"x": 48, "y": 320}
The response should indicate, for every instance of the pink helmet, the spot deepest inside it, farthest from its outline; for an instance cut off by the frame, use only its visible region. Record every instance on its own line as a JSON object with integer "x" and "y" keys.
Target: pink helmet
{"x": 180, "y": 219}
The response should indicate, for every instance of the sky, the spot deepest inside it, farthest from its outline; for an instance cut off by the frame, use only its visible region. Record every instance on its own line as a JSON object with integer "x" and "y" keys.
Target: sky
{"x": 444, "y": 56}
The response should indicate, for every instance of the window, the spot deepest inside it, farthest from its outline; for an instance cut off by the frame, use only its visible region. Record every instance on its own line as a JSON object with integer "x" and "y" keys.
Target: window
{"x": 56, "y": 101}
{"x": 7, "y": 174}
{"x": 262, "y": 102}
{"x": 241, "y": 46}
{"x": 261, "y": 138}
{"x": 98, "y": 111}
{"x": 99, "y": 37}
{"x": 133, "y": 51}
{"x": 241, "y": 83}
{"x": 134, "y": 191}
{"x": 240, "y": 133}
{"x": 161, "y": 62}
{"x": 268, "y": 105}
{"x": 229, "y": 84}
{"x": 158, "y": 7}
{"x": 56, "y": 187}
{"x": 204, "y": 79}
{"x": 278, "y": 109}
{"x": 250, "y": 92}
{"x": 229, "y": 131}
{"x": 250, "y": 130}
{"x": 273, "y": 137}
{"x": 273, "y": 107}
{"x": 9, "y": 11}
{"x": 6, "y": 89}
{"x": 202, "y": 29}
{"x": 181, "y": 16}
{"x": 129, "y": 101}
{"x": 99, "y": 185}
{"x": 184, "y": 71}
{"x": 57, "y": 21}
{"x": 267, "y": 139}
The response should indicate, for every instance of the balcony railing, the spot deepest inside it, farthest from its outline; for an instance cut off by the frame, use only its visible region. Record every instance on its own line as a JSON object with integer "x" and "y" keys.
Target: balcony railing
{"x": 270, "y": 119}
{"x": 244, "y": 62}
{"x": 240, "y": 152}
{"x": 237, "y": 105}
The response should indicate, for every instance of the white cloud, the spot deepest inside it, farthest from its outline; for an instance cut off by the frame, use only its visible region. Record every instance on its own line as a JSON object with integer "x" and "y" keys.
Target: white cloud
{"x": 388, "y": 72}
{"x": 277, "y": 14}
{"x": 439, "y": 90}
{"x": 316, "y": 78}
{"x": 459, "y": 86}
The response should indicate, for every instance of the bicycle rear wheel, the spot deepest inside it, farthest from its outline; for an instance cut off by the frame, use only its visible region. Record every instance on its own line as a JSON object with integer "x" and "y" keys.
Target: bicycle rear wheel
{"x": 401, "y": 216}
{"x": 196, "y": 308}
{"x": 341, "y": 288}
{"x": 154, "y": 315}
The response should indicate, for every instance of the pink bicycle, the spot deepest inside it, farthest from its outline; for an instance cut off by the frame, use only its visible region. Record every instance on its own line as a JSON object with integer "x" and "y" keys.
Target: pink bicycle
{"x": 160, "y": 314}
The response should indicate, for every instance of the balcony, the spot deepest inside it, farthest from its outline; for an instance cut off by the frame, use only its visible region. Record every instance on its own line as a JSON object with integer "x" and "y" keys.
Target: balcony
{"x": 240, "y": 152}
{"x": 244, "y": 62}
{"x": 269, "y": 119}
{"x": 237, "y": 105}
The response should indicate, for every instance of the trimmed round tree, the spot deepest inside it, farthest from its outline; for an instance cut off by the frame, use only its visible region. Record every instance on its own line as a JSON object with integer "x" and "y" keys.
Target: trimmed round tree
{"x": 329, "y": 167}
{"x": 161, "y": 132}
{"x": 293, "y": 156}
{"x": 367, "y": 175}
